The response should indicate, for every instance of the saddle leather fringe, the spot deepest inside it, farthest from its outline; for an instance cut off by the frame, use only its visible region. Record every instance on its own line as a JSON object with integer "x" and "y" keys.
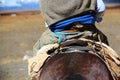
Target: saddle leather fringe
{"x": 110, "y": 57}
{"x": 112, "y": 62}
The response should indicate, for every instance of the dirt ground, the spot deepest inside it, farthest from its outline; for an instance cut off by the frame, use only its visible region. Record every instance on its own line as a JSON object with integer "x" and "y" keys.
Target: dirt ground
{"x": 19, "y": 33}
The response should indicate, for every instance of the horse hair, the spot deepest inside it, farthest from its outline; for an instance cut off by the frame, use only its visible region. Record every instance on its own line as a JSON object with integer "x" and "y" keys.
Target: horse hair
{"x": 75, "y": 77}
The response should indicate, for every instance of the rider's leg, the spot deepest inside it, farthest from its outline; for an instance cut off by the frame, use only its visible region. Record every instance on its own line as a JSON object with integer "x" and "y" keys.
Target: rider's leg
{"x": 45, "y": 39}
{"x": 99, "y": 36}
{"x": 45, "y": 43}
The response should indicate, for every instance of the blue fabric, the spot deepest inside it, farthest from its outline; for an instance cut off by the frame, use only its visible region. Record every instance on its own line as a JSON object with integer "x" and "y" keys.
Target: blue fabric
{"x": 99, "y": 19}
{"x": 85, "y": 19}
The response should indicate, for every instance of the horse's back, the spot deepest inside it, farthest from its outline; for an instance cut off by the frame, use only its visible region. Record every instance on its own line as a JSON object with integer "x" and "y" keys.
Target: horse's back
{"x": 75, "y": 66}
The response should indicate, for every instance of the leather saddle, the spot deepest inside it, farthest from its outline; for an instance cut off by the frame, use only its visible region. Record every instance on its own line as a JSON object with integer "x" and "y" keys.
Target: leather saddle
{"x": 107, "y": 54}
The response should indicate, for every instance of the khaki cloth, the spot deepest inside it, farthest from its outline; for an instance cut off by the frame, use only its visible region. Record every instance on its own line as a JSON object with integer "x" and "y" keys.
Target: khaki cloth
{"x": 47, "y": 38}
{"x": 57, "y": 10}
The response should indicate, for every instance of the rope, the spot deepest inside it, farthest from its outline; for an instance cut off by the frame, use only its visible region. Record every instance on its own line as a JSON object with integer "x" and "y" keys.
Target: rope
{"x": 62, "y": 35}
{"x": 114, "y": 75}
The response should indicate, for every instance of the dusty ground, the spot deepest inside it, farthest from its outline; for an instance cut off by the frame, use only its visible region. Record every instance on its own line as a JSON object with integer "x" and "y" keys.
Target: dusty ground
{"x": 19, "y": 33}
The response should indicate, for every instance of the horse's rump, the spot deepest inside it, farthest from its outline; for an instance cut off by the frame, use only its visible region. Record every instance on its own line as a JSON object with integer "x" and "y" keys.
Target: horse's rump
{"x": 79, "y": 64}
{"x": 85, "y": 65}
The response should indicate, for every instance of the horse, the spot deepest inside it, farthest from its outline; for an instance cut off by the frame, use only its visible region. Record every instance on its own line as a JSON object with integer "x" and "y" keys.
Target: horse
{"x": 73, "y": 61}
